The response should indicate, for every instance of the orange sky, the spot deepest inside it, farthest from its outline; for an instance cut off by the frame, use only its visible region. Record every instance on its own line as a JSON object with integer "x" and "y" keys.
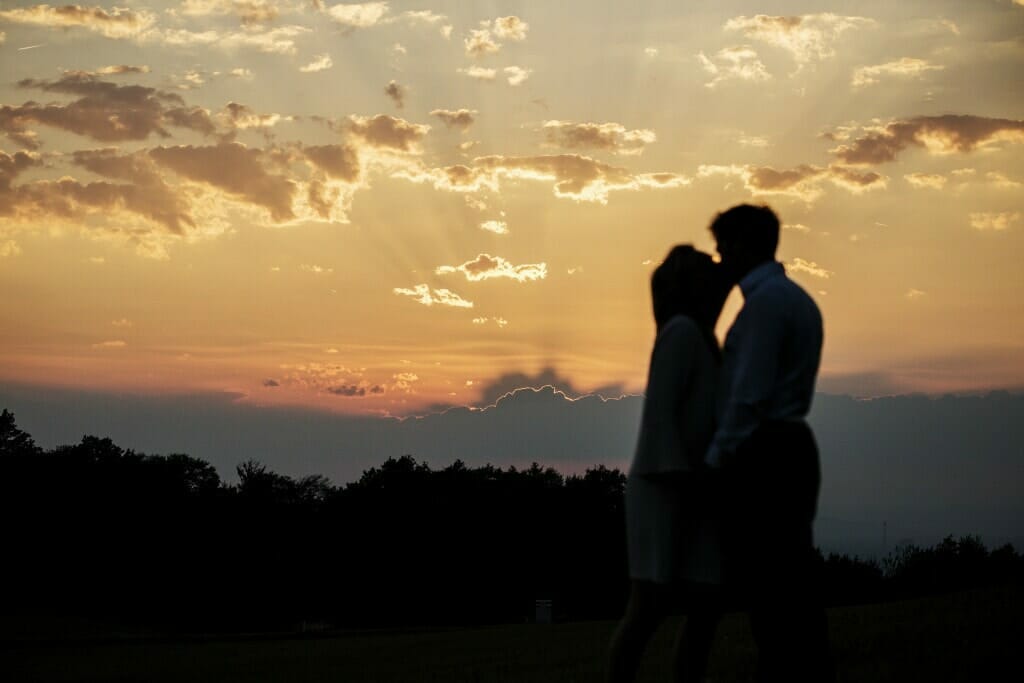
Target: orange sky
{"x": 383, "y": 207}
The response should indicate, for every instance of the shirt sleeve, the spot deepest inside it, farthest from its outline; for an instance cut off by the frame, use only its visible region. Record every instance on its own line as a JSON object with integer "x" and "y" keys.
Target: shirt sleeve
{"x": 661, "y": 446}
{"x": 755, "y": 351}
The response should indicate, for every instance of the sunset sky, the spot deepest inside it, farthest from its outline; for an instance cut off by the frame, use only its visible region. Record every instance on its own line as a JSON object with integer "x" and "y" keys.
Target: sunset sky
{"x": 388, "y": 207}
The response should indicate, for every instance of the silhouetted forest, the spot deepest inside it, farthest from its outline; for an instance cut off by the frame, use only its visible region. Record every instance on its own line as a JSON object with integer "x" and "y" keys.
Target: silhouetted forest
{"x": 93, "y": 528}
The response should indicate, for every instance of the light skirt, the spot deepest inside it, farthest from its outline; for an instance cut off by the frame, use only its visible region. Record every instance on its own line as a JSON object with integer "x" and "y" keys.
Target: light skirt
{"x": 670, "y": 539}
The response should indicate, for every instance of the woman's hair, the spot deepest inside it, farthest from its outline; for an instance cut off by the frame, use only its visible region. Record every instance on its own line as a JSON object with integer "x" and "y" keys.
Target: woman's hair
{"x": 688, "y": 283}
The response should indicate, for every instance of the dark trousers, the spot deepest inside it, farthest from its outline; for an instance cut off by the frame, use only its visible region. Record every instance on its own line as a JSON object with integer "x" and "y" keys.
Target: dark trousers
{"x": 771, "y": 496}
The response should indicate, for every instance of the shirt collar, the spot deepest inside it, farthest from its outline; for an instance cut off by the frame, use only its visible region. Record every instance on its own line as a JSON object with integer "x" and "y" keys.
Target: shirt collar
{"x": 755, "y": 277}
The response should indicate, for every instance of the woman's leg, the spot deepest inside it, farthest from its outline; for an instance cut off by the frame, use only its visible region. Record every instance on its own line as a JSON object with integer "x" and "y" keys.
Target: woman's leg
{"x": 643, "y": 614}
{"x": 697, "y": 635}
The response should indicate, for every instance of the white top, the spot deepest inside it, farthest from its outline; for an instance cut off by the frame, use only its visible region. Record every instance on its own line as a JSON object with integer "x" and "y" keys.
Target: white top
{"x": 679, "y": 404}
{"x": 770, "y": 359}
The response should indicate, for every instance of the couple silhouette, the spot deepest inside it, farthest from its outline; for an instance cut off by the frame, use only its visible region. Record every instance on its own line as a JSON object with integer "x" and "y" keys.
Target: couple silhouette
{"x": 723, "y": 487}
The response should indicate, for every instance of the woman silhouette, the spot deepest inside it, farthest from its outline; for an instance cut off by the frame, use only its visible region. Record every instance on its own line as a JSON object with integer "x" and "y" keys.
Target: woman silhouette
{"x": 671, "y": 529}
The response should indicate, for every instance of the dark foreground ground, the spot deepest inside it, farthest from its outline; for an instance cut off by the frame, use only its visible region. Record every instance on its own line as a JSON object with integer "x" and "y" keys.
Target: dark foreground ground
{"x": 971, "y": 636}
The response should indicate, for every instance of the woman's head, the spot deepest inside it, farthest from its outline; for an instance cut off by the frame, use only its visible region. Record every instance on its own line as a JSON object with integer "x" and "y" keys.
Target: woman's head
{"x": 688, "y": 283}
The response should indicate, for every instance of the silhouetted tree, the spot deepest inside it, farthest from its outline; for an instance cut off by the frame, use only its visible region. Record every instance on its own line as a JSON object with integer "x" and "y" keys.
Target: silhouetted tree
{"x": 14, "y": 441}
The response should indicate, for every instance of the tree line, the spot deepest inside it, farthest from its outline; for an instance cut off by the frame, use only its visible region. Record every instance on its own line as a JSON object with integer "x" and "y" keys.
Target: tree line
{"x": 96, "y": 529}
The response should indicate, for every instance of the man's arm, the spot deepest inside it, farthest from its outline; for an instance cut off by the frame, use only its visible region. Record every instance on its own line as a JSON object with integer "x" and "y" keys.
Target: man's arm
{"x": 755, "y": 369}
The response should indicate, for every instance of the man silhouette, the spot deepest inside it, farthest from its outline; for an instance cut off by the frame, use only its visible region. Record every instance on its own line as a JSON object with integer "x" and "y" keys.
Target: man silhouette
{"x": 766, "y": 452}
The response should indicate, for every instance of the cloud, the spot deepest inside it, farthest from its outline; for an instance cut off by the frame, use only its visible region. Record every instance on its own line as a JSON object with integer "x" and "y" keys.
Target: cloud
{"x": 397, "y": 93}
{"x": 752, "y": 141}
{"x": 798, "y": 227}
{"x": 905, "y": 67}
{"x": 486, "y": 267}
{"x": 575, "y": 176}
{"x": 241, "y": 72}
{"x": 249, "y": 11}
{"x": 734, "y": 63}
{"x": 1001, "y": 180}
{"x": 497, "y": 227}
{"x": 237, "y": 170}
{"x": 480, "y": 42}
{"x": 103, "y": 110}
{"x": 478, "y": 72}
{"x": 9, "y": 248}
{"x": 915, "y": 293}
{"x": 271, "y": 383}
{"x": 611, "y": 137}
{"x": 315, "y": 269}
{"x": 510, "y": 28}
{"x": 120, "y": 69}
{"x": 321, "y": 63}
{"x": 801, "y": 182}
{"x": 237, "y": 116}
{"x": 339, "y": 161}
{"x": 807, "y": 38}
{"x": 361, "y": 15}
{"x": 278, "y": 40}
{"x": 516, "y": 75}
{"x": 112, "y": 344}
{"x": 456, "y": 118}
{"x": 360, "y": 390}
{"x": 945, "y": 134}
{"x": 986, "y": 221}
{"x": 114, "y": 23}
{"x": 799, "y": 265}
{"x": 921, "y": 180}
{"x": 424, "y": 295}
{"x": 389, "y": 132}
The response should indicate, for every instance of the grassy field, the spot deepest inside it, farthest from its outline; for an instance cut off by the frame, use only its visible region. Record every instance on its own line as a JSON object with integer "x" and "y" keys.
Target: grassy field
{"x": 975, "y": 636}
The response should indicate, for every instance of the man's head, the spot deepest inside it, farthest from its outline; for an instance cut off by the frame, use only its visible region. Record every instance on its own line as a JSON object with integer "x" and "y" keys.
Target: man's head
{"x": 746, "y": 236}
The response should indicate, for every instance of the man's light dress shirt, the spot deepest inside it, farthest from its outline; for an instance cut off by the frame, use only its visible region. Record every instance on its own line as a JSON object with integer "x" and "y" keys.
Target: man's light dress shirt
{"x": 770, "y": 360}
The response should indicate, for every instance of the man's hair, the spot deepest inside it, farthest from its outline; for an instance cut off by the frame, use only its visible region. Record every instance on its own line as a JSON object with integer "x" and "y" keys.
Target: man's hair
{"x": 755, "y": 226}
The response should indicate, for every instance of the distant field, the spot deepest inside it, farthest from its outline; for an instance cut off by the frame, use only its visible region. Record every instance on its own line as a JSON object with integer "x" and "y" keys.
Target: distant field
{"x": 973, "y": 637}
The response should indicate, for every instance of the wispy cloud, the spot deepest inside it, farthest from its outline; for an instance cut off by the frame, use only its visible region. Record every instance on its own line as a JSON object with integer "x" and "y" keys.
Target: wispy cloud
{"x": 989, "y": 221}
{"x": 905, "y": 67}
{"x": 738, "y": 63}
{"x": 799, "y": 265}
{"x": 486, "y": 267}
{"x": 423, "y": 294}
{"x": 321, "y": 63}
{"x": 808, "y": 38}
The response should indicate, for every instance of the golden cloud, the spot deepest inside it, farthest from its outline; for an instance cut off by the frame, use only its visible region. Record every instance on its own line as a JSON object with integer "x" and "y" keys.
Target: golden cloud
{"x": 986, "y": 221}
{"x": 733, "y": 63}
{"x": 799, "y": 265}
{"x": 443, "y": 297}
{"x": 906, "y": 67}
{"x": 932, "y": 180}
{"x": 486, "y": 267}
{"x": 943, "y": 134}
{"x": 807, "y": 38}
{"x": 114, "y": 23}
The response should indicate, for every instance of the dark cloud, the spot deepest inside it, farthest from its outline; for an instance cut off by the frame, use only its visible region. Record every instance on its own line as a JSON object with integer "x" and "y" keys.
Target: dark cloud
{"x": 396, "y": 92}
{"x": 338, "y": 161}
{"x": 387, "y": 132}
{"x": 271, "y": 383}
{"x": 235, "y": 169}
{"x": 612, "y": 137}
{"x": 769, "y": 179}
{"x": 927, "y": 467}
{"x": 456, "y": 118}
{"x": 144, "y": 194}
{"x": 355, "y": 390}
{"x": 946, "y": 133}
{"x": 103, "y": 111}
{"x": 510, "y": 382}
